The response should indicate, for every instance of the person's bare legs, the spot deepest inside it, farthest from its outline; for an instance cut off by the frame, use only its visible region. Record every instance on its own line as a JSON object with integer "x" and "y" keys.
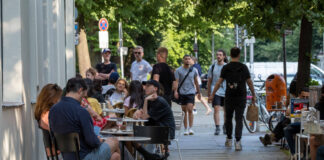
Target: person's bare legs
{"x": 185, "y": 119}
{"x": 190, "y": 114}
{"x": 113, "y": 145}
{"x": 216, "y": 114}
{"x": 115, "y": 156}
{"x": 208, "y": 109}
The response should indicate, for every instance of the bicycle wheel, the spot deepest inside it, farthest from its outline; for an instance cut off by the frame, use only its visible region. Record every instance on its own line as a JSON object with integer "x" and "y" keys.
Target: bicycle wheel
{"x": 264, "y": 115}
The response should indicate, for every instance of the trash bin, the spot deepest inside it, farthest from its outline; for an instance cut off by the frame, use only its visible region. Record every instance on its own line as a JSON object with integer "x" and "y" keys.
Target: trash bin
{"x": 276, "y": 92}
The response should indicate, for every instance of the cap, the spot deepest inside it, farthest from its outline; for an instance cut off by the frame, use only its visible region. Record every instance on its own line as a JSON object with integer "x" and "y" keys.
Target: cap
{"x": 105, "y": 50}
{"x": 113, "y": 77}
{"x": 152, "y": 82}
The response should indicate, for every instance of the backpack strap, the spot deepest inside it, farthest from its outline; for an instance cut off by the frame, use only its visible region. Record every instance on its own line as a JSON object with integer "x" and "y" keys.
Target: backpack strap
{"x": 212, "y": 71}
{"x": 190, "y": 69}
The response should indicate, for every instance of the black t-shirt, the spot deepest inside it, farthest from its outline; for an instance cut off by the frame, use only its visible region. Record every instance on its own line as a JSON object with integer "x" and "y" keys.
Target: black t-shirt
{"x": 166, "y": 77}
{"x": 161, "y": 115}
{"x": 235, "y": 74}
{"x": 106, "y": 69}
{"x": 320, "y": 107}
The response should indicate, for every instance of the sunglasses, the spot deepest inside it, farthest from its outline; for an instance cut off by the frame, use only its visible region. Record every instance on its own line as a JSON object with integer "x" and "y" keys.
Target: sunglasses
{"x": 137, "y": 52}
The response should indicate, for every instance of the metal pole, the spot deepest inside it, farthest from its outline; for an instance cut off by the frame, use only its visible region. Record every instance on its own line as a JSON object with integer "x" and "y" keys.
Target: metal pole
{"x": 213, "y": 49}
{"x": 196, "y": 50}
{"x": 284, "y": 56}
{"x": 237, "y": 37}
{"x": 120, "y": 30}
{"x": 245, "y": 52}
{"x": 252, "y": 57}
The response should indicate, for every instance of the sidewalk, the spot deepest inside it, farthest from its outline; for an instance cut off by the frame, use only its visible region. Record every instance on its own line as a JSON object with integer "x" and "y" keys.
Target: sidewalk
{"x": 204, "y": 145}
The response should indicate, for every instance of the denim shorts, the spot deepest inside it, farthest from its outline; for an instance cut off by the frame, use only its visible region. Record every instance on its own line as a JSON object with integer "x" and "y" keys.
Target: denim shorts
{"x": 102, "y": 152}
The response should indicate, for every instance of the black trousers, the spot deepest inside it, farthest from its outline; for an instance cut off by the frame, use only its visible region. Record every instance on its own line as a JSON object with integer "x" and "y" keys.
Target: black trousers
{"x": 236, "y": 105}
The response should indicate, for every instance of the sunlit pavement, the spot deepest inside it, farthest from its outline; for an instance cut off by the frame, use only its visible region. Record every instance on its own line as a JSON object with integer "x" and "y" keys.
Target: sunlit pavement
{"x": 205, "y": 145}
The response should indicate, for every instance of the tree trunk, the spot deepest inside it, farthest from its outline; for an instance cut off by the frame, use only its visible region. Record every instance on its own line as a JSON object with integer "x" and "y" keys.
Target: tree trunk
{"x": 83, "y": 53}
{"x": 304, "y": 58}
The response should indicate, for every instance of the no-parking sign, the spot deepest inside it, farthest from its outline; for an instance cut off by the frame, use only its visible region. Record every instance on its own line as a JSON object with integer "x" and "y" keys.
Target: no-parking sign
{"x": 103, "y": 24}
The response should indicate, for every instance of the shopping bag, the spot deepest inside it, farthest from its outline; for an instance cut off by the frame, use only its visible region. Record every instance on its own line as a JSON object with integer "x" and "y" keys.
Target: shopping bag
{"x": 252, "y": 113}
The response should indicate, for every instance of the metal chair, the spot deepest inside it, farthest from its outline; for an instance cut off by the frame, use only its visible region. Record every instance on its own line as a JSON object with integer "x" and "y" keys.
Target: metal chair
{"x": 68, "y": 143}
{"x": 302, "y": 135}
{"x": 48, "y": 143}
{"x": 178, "y": 118}
{"x": 158, "y": 135}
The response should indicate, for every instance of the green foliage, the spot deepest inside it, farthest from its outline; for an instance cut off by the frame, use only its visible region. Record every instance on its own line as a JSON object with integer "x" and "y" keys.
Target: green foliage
{"x": 312, "y": 83}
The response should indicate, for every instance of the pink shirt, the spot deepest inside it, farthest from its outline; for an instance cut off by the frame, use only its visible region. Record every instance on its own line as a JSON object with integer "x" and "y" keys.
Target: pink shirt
{"x": 127, "y": 103}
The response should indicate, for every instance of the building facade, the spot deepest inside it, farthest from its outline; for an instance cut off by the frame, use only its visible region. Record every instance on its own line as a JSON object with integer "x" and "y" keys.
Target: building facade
{"x": 36, "y": 48}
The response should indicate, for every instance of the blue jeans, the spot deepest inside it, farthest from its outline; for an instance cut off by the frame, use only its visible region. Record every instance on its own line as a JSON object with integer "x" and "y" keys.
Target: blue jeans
{"x": 290, "y": 131}
{"x": 102, "y": 152}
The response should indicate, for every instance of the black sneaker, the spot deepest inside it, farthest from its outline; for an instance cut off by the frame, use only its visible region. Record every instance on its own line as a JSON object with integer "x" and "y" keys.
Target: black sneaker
{"x": 224, "y": 129}
{"x": 217, "y": 131}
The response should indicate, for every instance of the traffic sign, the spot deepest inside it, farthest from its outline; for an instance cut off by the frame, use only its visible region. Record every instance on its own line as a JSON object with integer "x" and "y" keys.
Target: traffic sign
{"x": 103, "y": 24}
{"x": 103, "y": 39}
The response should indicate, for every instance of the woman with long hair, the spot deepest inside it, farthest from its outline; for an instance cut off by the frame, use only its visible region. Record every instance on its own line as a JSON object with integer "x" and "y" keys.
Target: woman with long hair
{"x": 49, "y": 95}
{"x": 120, "y": 93}
{"x": 135, "y": 96}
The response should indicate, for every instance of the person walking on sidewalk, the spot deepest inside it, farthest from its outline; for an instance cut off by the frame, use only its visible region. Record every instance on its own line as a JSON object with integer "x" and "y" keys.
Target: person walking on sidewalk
{"x": 140, "y": 68}
{"x": 163, "y": 74}
{"x": 187, "y": 77}
{"x": 219, "y": 98}
{"x": 236, "y": 75}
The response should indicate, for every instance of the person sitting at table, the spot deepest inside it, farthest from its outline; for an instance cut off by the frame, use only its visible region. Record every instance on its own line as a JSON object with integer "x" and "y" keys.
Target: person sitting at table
{"x": 317, "y": 140}
{"x": 294, "y": 128}
{"x": 49, "y": 95}
{"x": 120, "y": 93}
{"x": 91, "y": 73}
{"x": 68, "y": 116}
{"x": 278, "y": 131}
{"x": 136, "y": 96}
{"x": 94, "y": 103}
{"x": 114, "y": 76}
{"x": 158, "y": 112}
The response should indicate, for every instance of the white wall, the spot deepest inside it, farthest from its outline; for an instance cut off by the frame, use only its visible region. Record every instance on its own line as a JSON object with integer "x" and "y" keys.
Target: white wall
{"x": 37, "y": 40}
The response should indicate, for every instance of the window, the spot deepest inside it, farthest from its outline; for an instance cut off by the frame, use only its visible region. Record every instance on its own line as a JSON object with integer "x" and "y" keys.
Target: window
{"x": 11, "y": 53}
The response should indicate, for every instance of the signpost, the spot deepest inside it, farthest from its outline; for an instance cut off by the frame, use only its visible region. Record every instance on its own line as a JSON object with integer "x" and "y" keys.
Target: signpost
{"x": 103, "y": 33}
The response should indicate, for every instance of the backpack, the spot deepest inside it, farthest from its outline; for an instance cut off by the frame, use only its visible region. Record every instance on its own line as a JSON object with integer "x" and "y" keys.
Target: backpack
{"x": 233, "y": 82}
{"x": 110, "y": 92}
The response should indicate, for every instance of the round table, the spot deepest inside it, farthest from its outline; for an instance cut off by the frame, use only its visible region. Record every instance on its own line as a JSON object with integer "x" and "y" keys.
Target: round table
{"x": 116, "y": 132}
{"x": 113, "y": 110}
{"x": 129, "y": 120}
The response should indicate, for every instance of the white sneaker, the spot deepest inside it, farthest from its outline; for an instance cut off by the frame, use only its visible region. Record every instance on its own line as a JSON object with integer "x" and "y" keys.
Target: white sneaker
{"x": 191, "y": 132}
{"x": 194, "y": 111}
{"x": 186, "y": 132}
{"x": 228, "y": 142}
{"x": 238, "y": 146}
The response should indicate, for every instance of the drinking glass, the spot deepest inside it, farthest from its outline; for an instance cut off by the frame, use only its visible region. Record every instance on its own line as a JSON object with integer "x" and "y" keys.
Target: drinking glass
{"x": 119, "y": 123}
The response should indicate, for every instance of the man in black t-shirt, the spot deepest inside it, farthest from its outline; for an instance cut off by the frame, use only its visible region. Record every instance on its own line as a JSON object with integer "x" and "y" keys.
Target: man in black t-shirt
{"x": 157, "y": 111}
{"x": 163, "y": 74}
{"x": 236, "y": 75}
{"x": 106, "y": 68}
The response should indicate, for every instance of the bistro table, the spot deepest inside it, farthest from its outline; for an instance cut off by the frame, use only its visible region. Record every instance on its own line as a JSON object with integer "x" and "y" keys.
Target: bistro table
{"x": 113, "y": 110}
{"x": 116, "y": 132}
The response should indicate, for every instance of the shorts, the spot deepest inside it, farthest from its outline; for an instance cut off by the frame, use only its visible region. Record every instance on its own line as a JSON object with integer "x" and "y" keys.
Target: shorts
{"x": 102, "y": 152}
{"x": 187, "y": 98}
{"x": 218, "y": 101}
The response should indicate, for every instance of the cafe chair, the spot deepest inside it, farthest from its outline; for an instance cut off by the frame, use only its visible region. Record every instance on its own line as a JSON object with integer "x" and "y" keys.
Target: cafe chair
{"x": 158, "y": 135}
{"x": 302, "y": 135}
{"x": 119, "y": 105}
{"x": 48, "y": 143}
{"x": 68, "y": 143}
{"x": 178, "y": 118}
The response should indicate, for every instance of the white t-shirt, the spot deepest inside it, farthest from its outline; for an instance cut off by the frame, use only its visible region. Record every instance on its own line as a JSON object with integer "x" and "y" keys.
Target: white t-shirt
{"x": 140, "y": 70}
{"x": 116, "y": 98}
{"x": 127, "y": 103}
